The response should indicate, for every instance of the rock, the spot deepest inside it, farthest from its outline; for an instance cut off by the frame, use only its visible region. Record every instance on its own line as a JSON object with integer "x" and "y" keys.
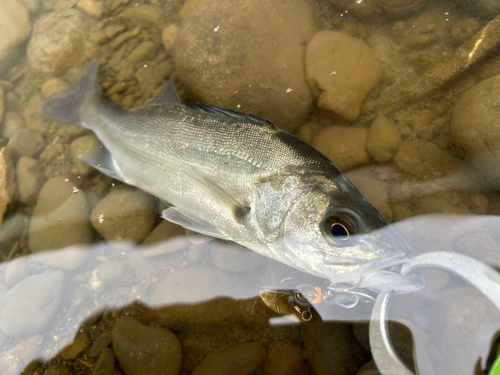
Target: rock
{"x": 12, "y": 123}
{"x": 168, "y": 36}
{"x": 113, "y": 30}
{"x": 326, "y": 356}
{"x": 31, "y": 304}
{"x": 91, "y": 7}
{"x": 69, "y": 259}
{"x": 100, "y": 344}
{"x": 29, "y": 180}
{"x": 376, "y": 192}
{"x": 340, "y": 70}
{"x": 383, "y": 139}
{"x": 229, "y": 257}
{"x": 124, "y": 214}
{"x": 150, "y": 15}
{"x": 109, "y": 270}
{"x": 243, "y": 359}
{"x": 2, "y": 103}
{"x": 369, "y": 369}
{"x": 373, "y": 9}
{"x": 287, "y": 361}
{"x": 52, "y": 86}
{"x": 163, "y": 232}
{"x": 475, "y": 127}
{"x": 59, "y": 41}
{"x": 425, "y": 160}
{"x": 248, "y": 56}
{"x": 82, "y": 342}
{"x": 33, "y": 116}
{"x": 481, "y": 8}
{"x": 27, "y": 142}
{"x": 16, "y": 271}
{"x": 308, "y": 131}
{"x": 8, "y": 188}
{"x": 143, "y": 350}
{"x": 144, "y": 51}
{"x": 60, "y": 218}
{"x": 15, "y": 28}
{"x": 105, "y": 365}
{"x": 12, "y": 230}
{"x": 342, "y": 145}
{"x": 81, "y": 146}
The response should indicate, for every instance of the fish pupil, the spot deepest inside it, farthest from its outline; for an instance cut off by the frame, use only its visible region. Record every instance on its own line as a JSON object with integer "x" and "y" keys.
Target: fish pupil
{"x": 339, "y": 231}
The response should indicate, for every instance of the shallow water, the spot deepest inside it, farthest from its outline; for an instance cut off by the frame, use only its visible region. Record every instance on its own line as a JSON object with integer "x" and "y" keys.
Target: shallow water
{"x": 402, "y": 96}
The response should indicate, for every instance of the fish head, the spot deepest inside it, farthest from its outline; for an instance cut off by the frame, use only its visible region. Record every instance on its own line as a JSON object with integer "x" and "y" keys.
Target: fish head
{"x": 334, "y": 232}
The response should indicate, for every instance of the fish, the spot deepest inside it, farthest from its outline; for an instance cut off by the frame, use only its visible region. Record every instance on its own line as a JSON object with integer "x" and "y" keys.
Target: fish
{"x": 237, "y": 177}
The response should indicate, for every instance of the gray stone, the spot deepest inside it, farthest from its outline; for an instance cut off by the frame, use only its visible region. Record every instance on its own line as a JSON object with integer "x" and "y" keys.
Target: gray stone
{"x": 12, "y": 122}
{"x": 81, "y": 146}
{"x": 144, "y": 51}
{"x": 341, "y": 70}
{"x": 243, "y": 359}
{"x": 253, "y": 51}
{"x": 474, "y": 125}
{"x": 383, "y": 139}
{"x": 287, "y": 361}
{"x": 12, "y": 229}
{"x": 105, "y": 365}
{"x": 125, "y": 213}
{"x": 59, "y": 41}
{"x": 8, "y": 187}
{"x": 53, "y": 86}
{"x": 143, "y": 350}
{"x": 15, "y": 28}
{"x": 29, "y": 179}
{"x": 27, "y": 142}
{"x": 30, "y": 305}
{"x": 16, "y": 271}
{"x": 345, "y": 146}
{"x": 60, "y": 217}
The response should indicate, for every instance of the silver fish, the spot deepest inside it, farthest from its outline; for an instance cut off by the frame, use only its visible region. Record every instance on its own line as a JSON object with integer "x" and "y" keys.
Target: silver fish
{"x": 239, "y": 178}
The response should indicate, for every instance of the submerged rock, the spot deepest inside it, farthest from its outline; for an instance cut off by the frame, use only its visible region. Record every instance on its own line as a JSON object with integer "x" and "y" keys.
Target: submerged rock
{"x": 60, "y": 218}
{"x": 340, "y": 70}
{"x": 27, "y": 142}
{"x": 29, "y": 179}
{"x": 125, "y": 213}
{"x": 342, "y": 145}
{"x": 15, "y": 28}
{"x": 242, "y": 359}
{"x": 31, "y": 304}
{"x": 248, "y": 56}
{"x": 12, "y": 123}
{"x": 383, "y": 139}
{"x": 143, "y": 350}
{"x": 2, "y": 103}
{"x": 52, "y": 86}
{"x": 59, "y": 41}
{"x": 476, "y": 127}
{"x": 8, "y": 188}
{"x": 81, "y": 146}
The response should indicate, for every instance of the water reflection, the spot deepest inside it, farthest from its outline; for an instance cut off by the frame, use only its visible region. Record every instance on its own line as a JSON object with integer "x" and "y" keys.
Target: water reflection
{"x": 207, "y": 294}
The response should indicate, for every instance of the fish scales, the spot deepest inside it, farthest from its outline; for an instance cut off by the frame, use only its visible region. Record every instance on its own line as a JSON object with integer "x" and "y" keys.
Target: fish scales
{"x": 239, "y": 178}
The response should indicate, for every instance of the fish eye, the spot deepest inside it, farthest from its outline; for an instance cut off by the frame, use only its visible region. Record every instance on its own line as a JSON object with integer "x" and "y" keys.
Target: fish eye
{"x": 339, "y": 227}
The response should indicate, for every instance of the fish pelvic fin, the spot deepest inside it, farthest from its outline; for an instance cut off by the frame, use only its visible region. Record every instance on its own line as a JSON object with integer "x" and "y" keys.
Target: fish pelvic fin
{"x": 67, "y": 105}
{"x": 168, "y": 95}
{"x": 175, "y": 216}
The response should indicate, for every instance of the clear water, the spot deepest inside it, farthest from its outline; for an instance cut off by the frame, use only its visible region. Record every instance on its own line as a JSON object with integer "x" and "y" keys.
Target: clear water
{"x": 73, "y": 263}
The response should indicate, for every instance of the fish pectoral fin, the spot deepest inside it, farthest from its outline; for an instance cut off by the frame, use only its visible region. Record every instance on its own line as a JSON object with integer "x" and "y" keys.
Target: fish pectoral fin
{"x": 168, "y": 95}
{"x": 175, "y": 216}
{"x": 215, "y": 193}
{"x": 102, "y": 160}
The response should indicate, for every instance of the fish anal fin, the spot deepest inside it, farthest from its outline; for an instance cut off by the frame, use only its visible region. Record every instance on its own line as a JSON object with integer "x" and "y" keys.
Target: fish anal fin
{"x": 175, "y": 216}
{"x": 168, "y": 95}
{"x": 102, "y": 160}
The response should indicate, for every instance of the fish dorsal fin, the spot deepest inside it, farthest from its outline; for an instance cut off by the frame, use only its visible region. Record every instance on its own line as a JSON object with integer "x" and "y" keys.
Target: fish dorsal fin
{"x": 168, "y": 95}
{"x": 175, "y": 216}
{"x": 215, "y": 194}
{"x": 102, "y": 160}
{"x": 207, "y": 108}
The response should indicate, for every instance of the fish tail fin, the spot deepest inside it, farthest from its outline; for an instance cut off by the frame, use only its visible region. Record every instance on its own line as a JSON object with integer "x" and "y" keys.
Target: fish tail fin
{"x": 67, "y": 105}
